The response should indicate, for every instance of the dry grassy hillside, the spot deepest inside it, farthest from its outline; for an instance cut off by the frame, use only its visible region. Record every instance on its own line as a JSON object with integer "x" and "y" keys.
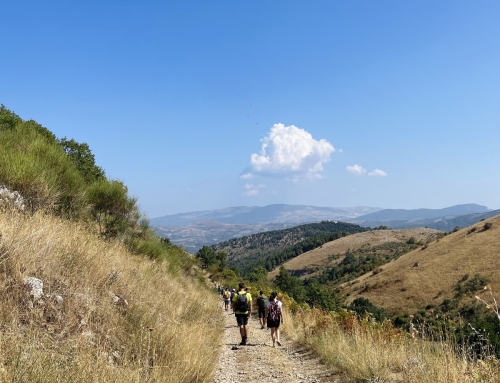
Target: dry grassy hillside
{"x": 426, "y": 276}
{"x": 319, "y": 257}
{"x": 106, "y": 315}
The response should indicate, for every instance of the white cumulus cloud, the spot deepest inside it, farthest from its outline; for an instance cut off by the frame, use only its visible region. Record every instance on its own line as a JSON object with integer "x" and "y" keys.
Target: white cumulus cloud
{"x": 356, "y": 170}
{"x": 288, "y": 151}
{"x": 377, "y": 173}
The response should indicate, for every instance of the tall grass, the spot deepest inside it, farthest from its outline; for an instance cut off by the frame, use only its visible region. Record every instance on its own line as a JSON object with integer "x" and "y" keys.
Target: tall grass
{"x": 123, "y": 318}
{"x": 365, "y": 351}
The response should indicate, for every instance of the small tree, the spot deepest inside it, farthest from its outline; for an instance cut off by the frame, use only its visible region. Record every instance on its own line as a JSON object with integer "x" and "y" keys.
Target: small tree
{"x": 111, "y": 207}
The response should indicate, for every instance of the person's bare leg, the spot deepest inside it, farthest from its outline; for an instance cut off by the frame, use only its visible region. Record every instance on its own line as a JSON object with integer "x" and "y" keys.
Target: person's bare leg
{"x": 278, "y": 336}
{"x": 273, "y": 335}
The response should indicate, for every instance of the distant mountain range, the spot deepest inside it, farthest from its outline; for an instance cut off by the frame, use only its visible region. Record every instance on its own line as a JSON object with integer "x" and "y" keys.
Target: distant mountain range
{"x": 196, "y": 229}
{"x": 441, "y": 219}
{"x": 278, "y": 213}
{"x": 403, "y": 214}
{"x": 446, "y": 223}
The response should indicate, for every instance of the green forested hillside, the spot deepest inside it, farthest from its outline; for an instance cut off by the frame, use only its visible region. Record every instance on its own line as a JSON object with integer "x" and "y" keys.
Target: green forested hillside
{"x": 274, "y": 247}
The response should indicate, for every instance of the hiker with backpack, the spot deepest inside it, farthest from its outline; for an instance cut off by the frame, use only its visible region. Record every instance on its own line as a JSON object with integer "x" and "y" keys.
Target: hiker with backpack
{"x": 242, "y": 307}
{"x": 274, "y": 315}
{"x": 262, "y": 304}
{"x": 226, "y": 296}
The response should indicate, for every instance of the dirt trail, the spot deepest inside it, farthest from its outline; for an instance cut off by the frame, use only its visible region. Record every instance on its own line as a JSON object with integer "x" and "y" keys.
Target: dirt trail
{"x": 258, "y": 361}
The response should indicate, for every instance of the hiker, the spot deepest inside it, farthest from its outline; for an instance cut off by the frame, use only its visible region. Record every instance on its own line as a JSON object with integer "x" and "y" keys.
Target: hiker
{"x": 242, "y": 307}
{"x": 226, "y": 296}
{"x": 274, "y": 315}
{"x": 233, "y": 293}
{"x": 261, "y": 304}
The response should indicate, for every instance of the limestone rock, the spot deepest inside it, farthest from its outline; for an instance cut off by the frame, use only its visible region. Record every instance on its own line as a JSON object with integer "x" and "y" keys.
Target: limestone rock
{"x": 11, "y": 198}
{"x": 34, "y": 286}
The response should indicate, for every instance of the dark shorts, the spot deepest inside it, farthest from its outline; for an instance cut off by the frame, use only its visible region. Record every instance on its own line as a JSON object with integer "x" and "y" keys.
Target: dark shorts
{"x": 262, "y": 313}
{"x": 273, "y": 324}
{"x": 242, "y": 319}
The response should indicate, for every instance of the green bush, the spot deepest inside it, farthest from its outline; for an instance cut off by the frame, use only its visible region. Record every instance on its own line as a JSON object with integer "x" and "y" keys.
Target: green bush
{"x": 39, "y": 170}
{"x": 111, "y": 207}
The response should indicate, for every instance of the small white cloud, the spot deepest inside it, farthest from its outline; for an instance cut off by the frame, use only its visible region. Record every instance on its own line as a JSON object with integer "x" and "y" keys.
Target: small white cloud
{"x": 246, "y": 176}
{"x": 356, "y": 170}
{"x": 377, "y": 173}
{"x": 250, "y": 192}
{"x": 340, "y": 150}
{"x": 288, "y": 151}
{"x": 251, "y": 189}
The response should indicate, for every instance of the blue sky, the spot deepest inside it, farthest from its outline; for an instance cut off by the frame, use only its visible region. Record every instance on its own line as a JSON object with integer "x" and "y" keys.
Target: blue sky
{"x": 208, "y": 104}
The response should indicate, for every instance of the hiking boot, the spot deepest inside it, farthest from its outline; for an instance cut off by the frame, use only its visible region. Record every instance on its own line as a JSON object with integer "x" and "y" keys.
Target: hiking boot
{"x": 279, "y": 343}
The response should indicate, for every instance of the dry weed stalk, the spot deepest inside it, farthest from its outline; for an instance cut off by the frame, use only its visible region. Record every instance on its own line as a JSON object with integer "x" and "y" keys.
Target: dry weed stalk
{"x": 493, "y": 307}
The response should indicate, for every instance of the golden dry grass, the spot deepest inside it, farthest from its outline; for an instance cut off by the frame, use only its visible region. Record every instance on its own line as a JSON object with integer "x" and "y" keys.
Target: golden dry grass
{"x": 427, "y": 276}
{"x": 170, "y": 331}
{"x": 319, "y": 256}
{"x": 364, "y": 351}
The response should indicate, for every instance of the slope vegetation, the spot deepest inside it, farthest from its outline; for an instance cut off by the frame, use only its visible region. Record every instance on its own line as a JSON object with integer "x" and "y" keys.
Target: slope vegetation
{"x": 436, "y": 273}
{"x": 247, "y": 251}
{"x": 106, "y": 315}
{"x": 311, "y": 263}
{"x": 89, "y": 293}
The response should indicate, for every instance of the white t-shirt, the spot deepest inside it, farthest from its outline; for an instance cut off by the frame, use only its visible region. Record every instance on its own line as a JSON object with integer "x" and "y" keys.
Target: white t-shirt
{"x": 268, "y": 303}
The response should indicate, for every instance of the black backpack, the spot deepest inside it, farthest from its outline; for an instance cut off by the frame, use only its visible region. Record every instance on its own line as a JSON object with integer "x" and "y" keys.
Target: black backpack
{"x": 242, "y": 303}
{"x": 262, "y": 302}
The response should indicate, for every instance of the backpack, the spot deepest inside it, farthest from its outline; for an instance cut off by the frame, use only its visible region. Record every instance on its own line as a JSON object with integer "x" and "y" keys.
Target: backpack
{"x": 274, "y": 312}
{"x": 226, "y": 295}
{"x": 261, "y": 302}
{"x": 242, "y": 303}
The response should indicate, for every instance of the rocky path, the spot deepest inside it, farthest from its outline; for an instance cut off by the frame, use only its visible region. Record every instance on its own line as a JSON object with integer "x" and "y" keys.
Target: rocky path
{"x": 258, "y": 361}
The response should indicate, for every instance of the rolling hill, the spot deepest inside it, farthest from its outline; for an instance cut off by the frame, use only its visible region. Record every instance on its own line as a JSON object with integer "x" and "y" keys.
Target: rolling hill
{"x": 309, "y": 264}
{"x": 246, "y": 251}
{"x": 431, "y": 274}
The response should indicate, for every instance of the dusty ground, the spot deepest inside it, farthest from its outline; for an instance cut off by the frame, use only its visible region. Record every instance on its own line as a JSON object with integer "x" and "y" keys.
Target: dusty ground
{"x": 260, "y": 362}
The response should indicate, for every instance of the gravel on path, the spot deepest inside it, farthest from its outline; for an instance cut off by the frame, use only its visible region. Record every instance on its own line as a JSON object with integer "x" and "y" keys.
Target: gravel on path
{"x": 258, "y": 361}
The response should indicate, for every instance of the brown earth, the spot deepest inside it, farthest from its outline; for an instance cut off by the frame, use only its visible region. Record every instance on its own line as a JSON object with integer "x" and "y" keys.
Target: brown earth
{"x": 425, "y": 276}
{"x": 319, "y": 258}
{"x": 258, "y": 361}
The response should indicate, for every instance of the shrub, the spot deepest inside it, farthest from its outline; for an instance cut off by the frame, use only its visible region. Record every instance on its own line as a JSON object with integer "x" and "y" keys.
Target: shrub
{"x": 456, "y": 228}
{"x": 412, "y": 241}
{"x": 488, "y": 225}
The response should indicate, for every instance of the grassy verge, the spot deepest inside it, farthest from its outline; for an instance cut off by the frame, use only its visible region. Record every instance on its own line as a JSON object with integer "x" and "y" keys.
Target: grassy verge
{"x": 365, "y": 351}
{"x": 122, "y": 318}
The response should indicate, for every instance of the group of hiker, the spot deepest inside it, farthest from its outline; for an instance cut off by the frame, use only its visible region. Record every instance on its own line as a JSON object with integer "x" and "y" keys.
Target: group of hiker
{"x": 269, "y": 310}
